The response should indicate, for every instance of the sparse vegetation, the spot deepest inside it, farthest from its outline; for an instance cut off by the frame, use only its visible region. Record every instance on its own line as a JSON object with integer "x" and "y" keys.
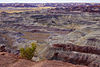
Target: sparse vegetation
{"x": 28, "y": 52}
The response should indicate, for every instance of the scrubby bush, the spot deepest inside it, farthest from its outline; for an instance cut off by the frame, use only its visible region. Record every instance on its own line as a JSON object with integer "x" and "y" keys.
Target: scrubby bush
{"x": 28, "y": 52}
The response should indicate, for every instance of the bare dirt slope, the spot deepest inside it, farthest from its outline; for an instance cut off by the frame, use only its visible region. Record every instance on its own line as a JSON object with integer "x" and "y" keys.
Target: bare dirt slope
{"x": 9, "y": 60}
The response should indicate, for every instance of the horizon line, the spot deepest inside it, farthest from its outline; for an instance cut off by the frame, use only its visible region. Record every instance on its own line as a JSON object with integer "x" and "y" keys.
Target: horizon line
{"x": 51, "y": 2}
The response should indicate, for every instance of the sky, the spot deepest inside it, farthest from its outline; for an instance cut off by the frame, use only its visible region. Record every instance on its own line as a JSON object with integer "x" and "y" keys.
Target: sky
{"x": 48, "y": 1}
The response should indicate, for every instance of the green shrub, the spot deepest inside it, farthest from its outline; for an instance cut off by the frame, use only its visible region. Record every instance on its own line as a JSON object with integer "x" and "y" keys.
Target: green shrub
{"x": 28, "y": 52}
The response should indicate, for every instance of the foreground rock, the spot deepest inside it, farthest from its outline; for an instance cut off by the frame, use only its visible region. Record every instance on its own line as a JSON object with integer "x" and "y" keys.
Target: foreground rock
{"x": 10, "y": 60}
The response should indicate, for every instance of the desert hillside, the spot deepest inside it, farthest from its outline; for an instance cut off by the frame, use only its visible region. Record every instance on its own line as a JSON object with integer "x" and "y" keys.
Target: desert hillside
{"x": 50, "y": 35}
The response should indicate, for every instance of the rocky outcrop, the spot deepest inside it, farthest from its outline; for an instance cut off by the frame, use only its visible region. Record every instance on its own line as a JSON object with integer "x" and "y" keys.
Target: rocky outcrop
{"x": 75, "y": 57}
{"x": 3, "y": 49}
{"x": 84, "y": 55}
{"x": 78, "y": 48}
